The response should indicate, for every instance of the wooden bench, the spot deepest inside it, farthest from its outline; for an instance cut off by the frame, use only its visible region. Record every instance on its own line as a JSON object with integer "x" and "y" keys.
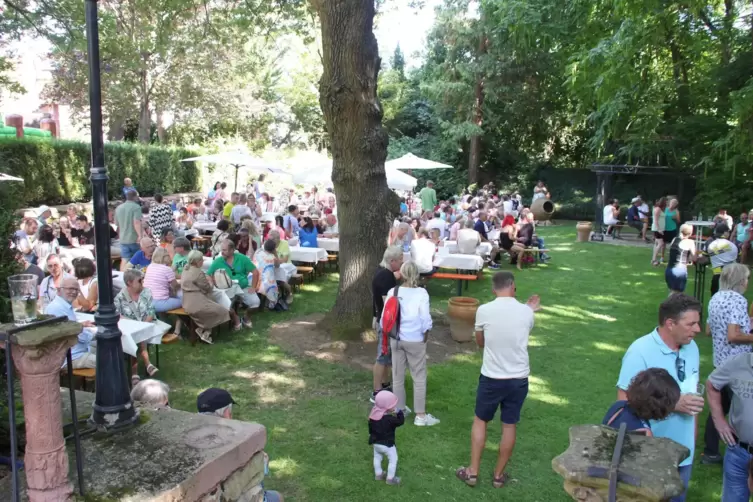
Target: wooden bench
{"x": 455, "y": 277}
{"x": 167, "y": 339}
{"x": 304, "y": 271}
{"x": 85, "y": 374}
{"x": 332, "y": 259}
{"x": 296, "y": 281}
{"x": 202, "y": 242}
{"x": 192, "y": 337}
{"x": 535, "y": 252}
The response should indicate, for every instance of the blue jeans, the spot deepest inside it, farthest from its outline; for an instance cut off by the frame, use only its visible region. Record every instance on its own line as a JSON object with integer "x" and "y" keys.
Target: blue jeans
{"x": 128, "y": 250}
{"x": 735, "y": 478}
{"x": 168, "y": 303}
{"x": 685, "y": 471}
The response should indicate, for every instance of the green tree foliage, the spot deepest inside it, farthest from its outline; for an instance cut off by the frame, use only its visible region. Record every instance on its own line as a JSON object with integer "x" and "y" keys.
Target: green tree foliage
{"x": 563, "y": 84}
{"x": 204, "y": 65}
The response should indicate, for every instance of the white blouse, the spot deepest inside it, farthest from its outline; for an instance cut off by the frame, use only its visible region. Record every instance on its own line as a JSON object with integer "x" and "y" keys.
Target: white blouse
{"x": 415, "y": 316}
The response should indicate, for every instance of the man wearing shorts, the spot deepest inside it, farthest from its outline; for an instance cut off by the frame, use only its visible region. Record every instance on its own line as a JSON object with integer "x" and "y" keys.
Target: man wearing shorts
{"x": 130, "y": 229}
{"x": 502, "y": 329}
{"x": 385, "y": 279}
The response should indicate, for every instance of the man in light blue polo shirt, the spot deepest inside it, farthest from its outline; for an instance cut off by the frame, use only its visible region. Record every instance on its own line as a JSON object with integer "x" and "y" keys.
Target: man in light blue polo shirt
{"x": 61, "y": 305}
{"x": 671, "y": 346}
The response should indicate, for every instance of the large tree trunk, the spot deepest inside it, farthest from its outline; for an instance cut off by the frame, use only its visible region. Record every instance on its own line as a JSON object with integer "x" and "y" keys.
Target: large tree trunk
{"x": 145, "y": 115}
{"x": 353, "y": 115}
{"x": 161, "y": 133}
{"x": 474, "y": 158}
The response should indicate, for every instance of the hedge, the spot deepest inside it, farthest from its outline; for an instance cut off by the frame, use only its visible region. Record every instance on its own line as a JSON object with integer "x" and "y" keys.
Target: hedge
{"x": 57, "y": 172}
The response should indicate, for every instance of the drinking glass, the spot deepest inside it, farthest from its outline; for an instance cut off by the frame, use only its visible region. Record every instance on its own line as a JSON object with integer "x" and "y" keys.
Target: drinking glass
{"x": 23, "y": 298}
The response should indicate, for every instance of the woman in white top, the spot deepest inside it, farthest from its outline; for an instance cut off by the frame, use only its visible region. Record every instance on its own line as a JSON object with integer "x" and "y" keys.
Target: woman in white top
{"x": 657, "y": 227}
{"x": 409, "y": 350}
{"x": 84, "y": 270}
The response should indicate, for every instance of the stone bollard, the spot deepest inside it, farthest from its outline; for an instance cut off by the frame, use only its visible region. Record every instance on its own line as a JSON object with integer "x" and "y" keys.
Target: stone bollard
{"x": 17, "y": 121}
{"x": 38, "y": 354}
{"x": 647, "y": 471}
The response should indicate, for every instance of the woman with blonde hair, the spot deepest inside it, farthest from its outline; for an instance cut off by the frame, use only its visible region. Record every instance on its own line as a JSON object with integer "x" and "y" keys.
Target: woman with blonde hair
{"x": 681, "y": 253}
{"x": 206, "y": 307}
{"x": 658, "y": 223}
{"x": 409, "y": 349}
{"x": 729, "y": 325}
{"x": 253, "y": 235}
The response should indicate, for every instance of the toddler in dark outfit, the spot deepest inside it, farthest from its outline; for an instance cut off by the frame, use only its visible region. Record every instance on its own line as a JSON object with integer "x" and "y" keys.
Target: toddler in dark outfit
{"x": 652, "y": 395}
{"x": 382, "y": 425}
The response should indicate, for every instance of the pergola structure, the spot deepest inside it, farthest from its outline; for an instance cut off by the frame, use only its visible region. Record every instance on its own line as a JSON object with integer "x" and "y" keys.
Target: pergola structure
{"x": 604, "y": 175}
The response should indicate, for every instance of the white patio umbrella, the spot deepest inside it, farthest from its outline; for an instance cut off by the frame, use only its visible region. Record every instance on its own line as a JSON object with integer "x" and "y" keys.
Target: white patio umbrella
{"x": 238, "y": 159}
{"x": 8, "y": 177}
{"x": 396, "y": 180}
{"x": 410, "y": 161}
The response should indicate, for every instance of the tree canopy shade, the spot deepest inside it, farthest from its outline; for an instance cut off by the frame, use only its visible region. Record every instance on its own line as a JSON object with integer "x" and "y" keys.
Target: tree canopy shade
{"x": 353, "y": 116}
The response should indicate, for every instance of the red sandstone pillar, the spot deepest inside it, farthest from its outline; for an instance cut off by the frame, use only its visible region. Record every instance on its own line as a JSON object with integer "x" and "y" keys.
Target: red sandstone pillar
{"x": 16, "y": 121}
{"x": 49, "y": 125}
{"x": 38, "y": 360}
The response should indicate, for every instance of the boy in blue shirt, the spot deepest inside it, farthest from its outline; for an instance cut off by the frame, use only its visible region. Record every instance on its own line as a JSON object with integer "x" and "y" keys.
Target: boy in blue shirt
{"x": 652, "y": 395}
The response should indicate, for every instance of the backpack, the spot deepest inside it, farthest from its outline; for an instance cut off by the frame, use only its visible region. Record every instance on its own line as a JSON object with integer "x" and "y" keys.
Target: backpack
{"x": 221, "y": 279}
{"x": 390, "y": 325}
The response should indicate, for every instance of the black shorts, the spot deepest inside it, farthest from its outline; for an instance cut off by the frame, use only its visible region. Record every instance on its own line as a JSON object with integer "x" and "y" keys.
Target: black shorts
{"x": 669, "y": 236}
{"x": 659, "y": 235}
{"x": 715, "y": 284}
{"x": 507, "y": 394}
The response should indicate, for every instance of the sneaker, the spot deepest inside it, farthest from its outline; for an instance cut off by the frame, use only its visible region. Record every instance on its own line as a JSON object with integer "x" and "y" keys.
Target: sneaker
{"x": 493, "y": 266}
{"x": 247, "y": 323}
{"x": 380, "y": 477}
{"x": 394, "y": 481}
{"x": 711, "y": 459}
{"x": 425, "y": 421}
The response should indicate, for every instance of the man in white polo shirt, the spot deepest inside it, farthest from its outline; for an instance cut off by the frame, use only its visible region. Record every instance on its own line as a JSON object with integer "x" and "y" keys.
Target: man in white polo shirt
{"x": 502, "y": 329}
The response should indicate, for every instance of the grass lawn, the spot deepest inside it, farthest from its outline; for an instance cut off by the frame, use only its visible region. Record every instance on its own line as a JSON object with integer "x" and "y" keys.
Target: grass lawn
{"x": 596, "y": 300}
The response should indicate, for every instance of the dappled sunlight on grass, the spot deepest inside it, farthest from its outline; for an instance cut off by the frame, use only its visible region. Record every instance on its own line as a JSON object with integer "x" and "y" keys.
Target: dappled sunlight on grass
{"x": 539, "y": 390}
{"x": 609, "y": 347}
{"x": 576, "y": 312}
{"x": 312, "y": 287}
{"x": 283, "y": 466}
{"x": 272, "y": 387}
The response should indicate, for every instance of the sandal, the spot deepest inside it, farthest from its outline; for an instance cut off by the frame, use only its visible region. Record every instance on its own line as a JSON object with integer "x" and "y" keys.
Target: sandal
{"x": 501, "y": 481}
{"x": 151, "y": 370}
{"x": 135, "y": 379}
{"x": 466, "y": 477}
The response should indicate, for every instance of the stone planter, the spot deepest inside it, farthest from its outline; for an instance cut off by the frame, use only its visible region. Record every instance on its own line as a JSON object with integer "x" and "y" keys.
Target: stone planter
{"x": 461, "y": 312}
{"x": 584, "y": 230}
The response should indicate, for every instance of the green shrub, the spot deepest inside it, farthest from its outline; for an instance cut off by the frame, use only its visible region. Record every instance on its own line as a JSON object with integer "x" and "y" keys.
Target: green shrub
{"x": 57, "y": 172}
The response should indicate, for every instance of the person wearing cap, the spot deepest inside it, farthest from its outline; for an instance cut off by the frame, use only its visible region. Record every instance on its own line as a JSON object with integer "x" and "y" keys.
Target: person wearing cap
{"x": 43, "y": 214}
{"x": 428, "y": 197}
{"x": 634, "y": 218}
{"x": 216, "y": 402}
{"x": 382, "y": 424}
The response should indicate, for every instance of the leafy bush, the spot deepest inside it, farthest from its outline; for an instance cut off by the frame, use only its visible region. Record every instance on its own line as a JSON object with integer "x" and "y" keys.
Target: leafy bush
{"x": 57, "y": 172}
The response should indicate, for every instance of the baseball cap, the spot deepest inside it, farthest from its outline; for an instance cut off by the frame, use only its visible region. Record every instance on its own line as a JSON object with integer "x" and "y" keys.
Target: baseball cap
{"x": 635, "y": 199}
{"x": 213, "y": 399}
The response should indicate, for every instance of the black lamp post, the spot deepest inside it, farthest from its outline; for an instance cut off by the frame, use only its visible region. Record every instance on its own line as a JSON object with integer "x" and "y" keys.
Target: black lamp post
{"x": 113, "y": 408}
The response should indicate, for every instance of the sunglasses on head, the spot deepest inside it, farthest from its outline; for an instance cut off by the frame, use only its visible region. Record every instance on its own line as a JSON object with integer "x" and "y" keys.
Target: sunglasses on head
{"x": 680, "y": 367}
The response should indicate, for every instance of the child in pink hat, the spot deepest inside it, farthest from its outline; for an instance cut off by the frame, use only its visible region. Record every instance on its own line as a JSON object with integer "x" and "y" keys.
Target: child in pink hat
{"x": 382, "y": 425}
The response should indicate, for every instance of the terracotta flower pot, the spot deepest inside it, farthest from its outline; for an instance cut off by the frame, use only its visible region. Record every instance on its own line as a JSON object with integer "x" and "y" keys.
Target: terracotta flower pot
{"x": 462, "y": 314}
{"x": 584, "y": 230}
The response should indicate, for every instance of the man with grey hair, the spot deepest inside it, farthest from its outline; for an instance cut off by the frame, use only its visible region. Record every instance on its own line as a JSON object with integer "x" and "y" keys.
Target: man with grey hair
{"x": 62, "y": 305}
{"x": 216, "y": 402}
{"x": 385, "y": 279}
{"x": 151, "y": 392}
{"x": 480, "y": 227}
{"x": 468, "y": 238}
{"x": 238, "y": 268}
{"x": 502, "y": 330}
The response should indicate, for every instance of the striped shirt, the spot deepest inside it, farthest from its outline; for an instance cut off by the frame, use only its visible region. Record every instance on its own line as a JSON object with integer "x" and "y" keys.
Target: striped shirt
{"x": 158, "y": 279}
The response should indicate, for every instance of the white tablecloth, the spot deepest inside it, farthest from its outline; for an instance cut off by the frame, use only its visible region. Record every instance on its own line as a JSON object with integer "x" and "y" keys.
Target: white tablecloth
{"x": 205, "y": 226}
{"x": 135, "y": 332}
{"x": 307, "y": 255}
{"x": 482, "y": 249}
{"x": 454, "y": 261}
{"x": 190, "y": 232}
{"x": 329, "y": 243}
{"x": 83, "y": 252}
{"x": 493, "y": 235}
